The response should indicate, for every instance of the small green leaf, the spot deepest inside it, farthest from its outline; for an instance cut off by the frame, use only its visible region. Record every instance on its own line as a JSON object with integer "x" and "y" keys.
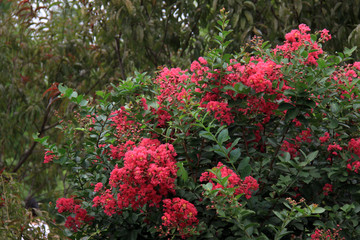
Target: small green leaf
{"x": 207, "y": 135}
{"x": 100, "y": 93}
{"x": 312, "y": 156}
{"x": 62, "y": 88}
{"x": 333, "y": 123}
{"x": 235, "y": 155}
{"x": 285, "y": 106}
{"x": 291, "y": 114}
{"x": 348, "y": 52}
{"x": 279, "y": 215}
{"x": 318, "y": 210}
{"x": 223, "y": 136}
{"x": 182, "y": 172}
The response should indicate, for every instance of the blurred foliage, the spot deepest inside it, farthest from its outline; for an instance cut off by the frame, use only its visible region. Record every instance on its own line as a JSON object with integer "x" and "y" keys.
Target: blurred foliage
{"x": 16, "y": 219}
{"x": 90, "y": 44}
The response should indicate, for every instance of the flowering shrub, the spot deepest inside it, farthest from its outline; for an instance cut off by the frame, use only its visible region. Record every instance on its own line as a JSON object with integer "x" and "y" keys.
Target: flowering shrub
{"x": 256, "y": 145}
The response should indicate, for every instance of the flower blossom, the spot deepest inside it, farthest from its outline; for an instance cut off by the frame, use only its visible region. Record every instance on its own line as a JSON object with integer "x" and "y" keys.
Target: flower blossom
{"x": 246, "y": 186}
{"x": 179, "y": 215}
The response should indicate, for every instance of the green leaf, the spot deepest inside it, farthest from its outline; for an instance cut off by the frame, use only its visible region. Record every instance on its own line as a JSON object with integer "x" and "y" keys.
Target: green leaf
{"x": 318, "y": 210}
{"x": 208, "y": 186}
{"x": 40, "y": 140}
{"x": 312, "y": 156}
{"x": 291, "y": 114}
{"x": 100, "y": 94}
{"x": 235, "y": 155}
{"x": 279, "y": 215}
{"x": 62, "y": 88}
{"x": 348, "y": 52}
{"x": 68, "y": 92}
{"x": 285, "y": 106}
{"x": 223, "y": 136}
{"x": 244, "y": 167}
{"x": 207, "y": 135}
{"x": 182, "y": 173}
{"x": 83, "y": 103}
{"x": 333, "y": 123}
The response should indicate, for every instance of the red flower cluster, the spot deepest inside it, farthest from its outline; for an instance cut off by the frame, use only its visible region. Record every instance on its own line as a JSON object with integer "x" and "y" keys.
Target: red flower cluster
{"x": 222, "y": 112}
{"x": 107, "y": 201}
{"x": 329, "y": 234}
{"x": 354, "y": 166}
{"x": 98, "y": 187}
{"x": 118, "y": 152}
{"x": 297, "y": 38}
{"x": 148, "y": 175}
{"x": 325, "y": 138}
{"x": 327, "y": 189}
{"x": 332, "y": 148}
{"x": 171, "y": 83}
{"x": 48, "y": 157}
{"x": 325, "y": 36}
{"x": 354, "y": 146}
{"x": 125, "y": 127}
{"x": 180, "y": 215}
{"x": 79, "y": 215}
{"x": 246, "y": 186}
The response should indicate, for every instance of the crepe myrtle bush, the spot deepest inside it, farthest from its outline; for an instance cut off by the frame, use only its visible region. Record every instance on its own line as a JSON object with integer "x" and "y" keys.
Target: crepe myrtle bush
{"x": 260, "y": 144}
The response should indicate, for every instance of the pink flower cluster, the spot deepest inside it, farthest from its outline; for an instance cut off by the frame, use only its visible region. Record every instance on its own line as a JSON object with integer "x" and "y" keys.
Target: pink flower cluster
{"x": 118, "y": 152}
{"x": 179, "y": 215}
{"x": 246, "y": 186}
{"x": 125, "y": 127}
{"x": 354, "y": 146}
{"x": 148, "y": 174}
{"x": 48, "y": 157}
{"x": 329, "y": 234}
{"x": 222, "y": 112}
{"x": 333, "y": 148}
{"x": 300, "y": 37}
{"x": 324, "y": 138}
{"x": 79, "y": 215}
{"x": 354, "y": 166}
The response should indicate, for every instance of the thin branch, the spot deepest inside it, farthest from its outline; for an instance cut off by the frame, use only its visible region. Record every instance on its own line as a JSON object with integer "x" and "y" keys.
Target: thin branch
{"x": 24, "y": 157}
{"x": 121, "y": 65}
{"x": 186, "y": 45}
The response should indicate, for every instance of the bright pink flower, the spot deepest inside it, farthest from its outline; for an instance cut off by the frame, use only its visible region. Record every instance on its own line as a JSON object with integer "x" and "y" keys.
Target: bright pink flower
{"x": 324, "y": 138}
{"x": 222, "y": 112}
{"x": 325, "y": 36}
{"x": 143, "y": 103}
{"x": 329, "y": 234}
{"x": 148, "y": 174}
{"x": 202, "y": 61}
{"x": 98, "y": 187}
{"x": 332, "y": 148}
{"x": 179, "y": 215}
{"x": 246, "y": 186}
{"x": 354, "y": 146}
{"x": 355, "y": 166}
{"x": 65, "y": 205}
{"x": 48, "y": 157}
